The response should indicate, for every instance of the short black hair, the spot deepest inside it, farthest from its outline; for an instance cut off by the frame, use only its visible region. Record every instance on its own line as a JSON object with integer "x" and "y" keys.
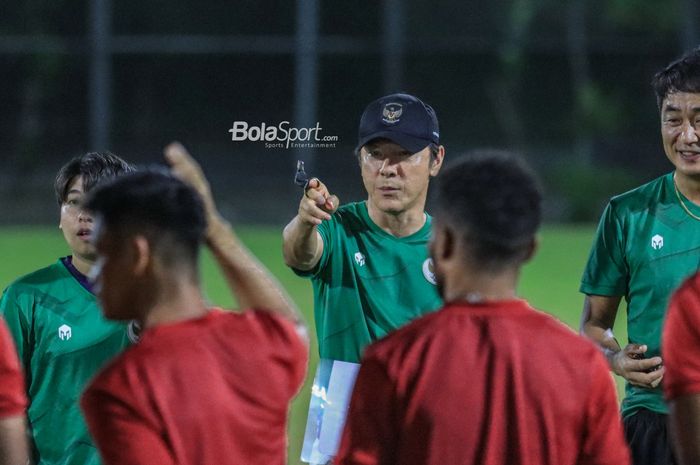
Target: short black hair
{"x": 493, "y": 200}
{"x": 93, "y": 167}
{"x": 156, "y": 204}
{"x": 682, "y": 75}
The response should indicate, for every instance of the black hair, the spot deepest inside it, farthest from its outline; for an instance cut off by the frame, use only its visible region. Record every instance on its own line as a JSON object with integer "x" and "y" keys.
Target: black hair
{"x": 93, "y": 167}
{"x": 682, "y": 75}
{"x": 493, "y": 200}
{"x": 159, "y": 206}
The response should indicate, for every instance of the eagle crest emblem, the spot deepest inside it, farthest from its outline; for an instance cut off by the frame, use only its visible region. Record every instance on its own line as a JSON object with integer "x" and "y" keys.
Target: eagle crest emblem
{"x": 391, "y": 113}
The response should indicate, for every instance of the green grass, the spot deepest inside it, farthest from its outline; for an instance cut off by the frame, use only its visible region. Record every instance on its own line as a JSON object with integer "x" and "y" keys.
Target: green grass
{"x": 550, "y": 282}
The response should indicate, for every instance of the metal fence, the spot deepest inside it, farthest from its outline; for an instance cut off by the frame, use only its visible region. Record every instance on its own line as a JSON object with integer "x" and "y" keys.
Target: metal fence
{"x": 561, "y": 82}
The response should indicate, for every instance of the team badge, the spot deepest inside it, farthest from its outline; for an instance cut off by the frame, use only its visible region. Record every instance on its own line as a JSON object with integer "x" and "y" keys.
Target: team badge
{"x": 392, "y": 112}
{"x": 133, "y": 331}
{"x": 65, "y": 332}
{"x": 657, "y": 242}
{"x": 359, "y": 259}
{"x": 429, "y": 271}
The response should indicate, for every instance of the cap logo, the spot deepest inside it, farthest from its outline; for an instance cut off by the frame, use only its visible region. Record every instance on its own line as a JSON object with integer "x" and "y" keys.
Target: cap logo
{"x": 392, "y": 112}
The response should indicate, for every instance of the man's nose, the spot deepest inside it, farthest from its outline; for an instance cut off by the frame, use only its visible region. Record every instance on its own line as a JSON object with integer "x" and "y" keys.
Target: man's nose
{"x": 689, "y": 134}
{"x": 84, "y": 216}
{"x": 388, "y": 168}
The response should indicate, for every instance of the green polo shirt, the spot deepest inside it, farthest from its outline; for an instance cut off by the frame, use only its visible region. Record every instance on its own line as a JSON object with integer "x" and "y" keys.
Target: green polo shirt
{"x": 63, "y": 341}
{"x": 368, "y": 282}
{"x": 646, "y": 245}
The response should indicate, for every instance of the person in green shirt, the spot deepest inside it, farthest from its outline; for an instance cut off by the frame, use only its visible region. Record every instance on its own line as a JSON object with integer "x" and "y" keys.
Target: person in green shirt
{"x": 368, "y": 261}
{"x": 647, "y": 243}
{"x": 61, "y": 336}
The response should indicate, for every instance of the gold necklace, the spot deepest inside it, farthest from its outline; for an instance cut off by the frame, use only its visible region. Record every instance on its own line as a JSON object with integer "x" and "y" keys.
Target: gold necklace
{"x": 680, "y": 200}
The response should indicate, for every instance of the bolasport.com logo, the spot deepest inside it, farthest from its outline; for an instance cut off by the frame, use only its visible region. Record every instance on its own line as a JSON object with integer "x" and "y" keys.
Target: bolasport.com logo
{"x": 282, "y": 136}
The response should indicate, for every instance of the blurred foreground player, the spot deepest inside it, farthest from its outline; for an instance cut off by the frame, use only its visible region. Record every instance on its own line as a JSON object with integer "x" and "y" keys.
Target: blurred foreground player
{"x": 53, "y": 315}
{"x": 681, "y": 348}
{"x": 487, "y": 379}
{"x": 14, "y": 449}
{"x": 203, "y": 386}
{"x": 646, "y": 246}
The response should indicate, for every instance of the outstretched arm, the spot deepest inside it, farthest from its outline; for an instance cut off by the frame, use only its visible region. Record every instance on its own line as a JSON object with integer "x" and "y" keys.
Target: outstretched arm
{"x": 302, "y": 244}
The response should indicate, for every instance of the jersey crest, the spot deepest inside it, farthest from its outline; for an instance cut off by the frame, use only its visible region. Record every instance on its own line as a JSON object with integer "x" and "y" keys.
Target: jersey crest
{"x": 65, "y": 332}
{"x": 657, "y": 242}
{"x": 392, "y": 113}
{"x": 429, "y": 271}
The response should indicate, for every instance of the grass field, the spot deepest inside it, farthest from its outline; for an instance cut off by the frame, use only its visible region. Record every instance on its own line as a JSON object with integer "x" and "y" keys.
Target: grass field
{"x": 549, "y": 282}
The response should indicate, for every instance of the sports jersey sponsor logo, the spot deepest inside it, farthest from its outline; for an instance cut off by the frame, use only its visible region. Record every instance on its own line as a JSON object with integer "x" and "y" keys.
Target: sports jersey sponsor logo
{"x": 133, "y": 331}
{"x": 65, "y": 332}
{"x": 359, "y": 259}
{"x": 429, "y": 271}
{"x": 657, "y": 242}
{"x": 392, "y": 112}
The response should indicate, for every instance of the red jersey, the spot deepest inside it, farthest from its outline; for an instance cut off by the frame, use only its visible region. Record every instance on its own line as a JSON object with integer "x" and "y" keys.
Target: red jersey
{"x": 490, "y": 384}
{"x": 681, "y": 341}
{"x": 208, "y": 391}
{"x": 13, "y": 397}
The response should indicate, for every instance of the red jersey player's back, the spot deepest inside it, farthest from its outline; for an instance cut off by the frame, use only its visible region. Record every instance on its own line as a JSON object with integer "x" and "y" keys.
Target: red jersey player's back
{"x": 213, "y": 390}
{"x": 487, "y": 383}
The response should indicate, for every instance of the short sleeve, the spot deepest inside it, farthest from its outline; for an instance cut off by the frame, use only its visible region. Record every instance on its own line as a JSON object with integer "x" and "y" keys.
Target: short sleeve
{"x": 606, "y": 272}
{"x": 325, "y": 229}
{"x": 681, "y": 341}
{"x": 121, "y": 432}
{"x": 604, "y": 440}
{"x": 13, "y": 400}
{"x": 285, "y": 343}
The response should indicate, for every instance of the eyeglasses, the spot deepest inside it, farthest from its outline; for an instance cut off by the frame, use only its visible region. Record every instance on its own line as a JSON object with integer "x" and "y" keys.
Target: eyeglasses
{"x": 377, "y": 159}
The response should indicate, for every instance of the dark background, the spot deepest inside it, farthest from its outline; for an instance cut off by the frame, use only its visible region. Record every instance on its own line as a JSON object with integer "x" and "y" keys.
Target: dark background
{"x": 564, "y": 83}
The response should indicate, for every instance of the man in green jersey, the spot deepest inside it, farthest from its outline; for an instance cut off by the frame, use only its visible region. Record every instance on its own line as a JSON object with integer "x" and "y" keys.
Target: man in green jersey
{"x": 647, "y": 243}
{"x": 368, "y": 261}
{"x": 61, "y": 336}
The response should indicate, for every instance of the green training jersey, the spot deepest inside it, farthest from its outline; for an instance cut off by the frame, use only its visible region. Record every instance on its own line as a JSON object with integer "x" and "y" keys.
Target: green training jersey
{"x": 368, "y": 282}
{"x": 63, "y": 340}
{"x": 646, "y": 245}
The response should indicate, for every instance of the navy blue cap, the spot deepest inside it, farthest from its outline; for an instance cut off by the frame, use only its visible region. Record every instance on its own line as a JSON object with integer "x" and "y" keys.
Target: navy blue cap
{"x": 401, "y": 118}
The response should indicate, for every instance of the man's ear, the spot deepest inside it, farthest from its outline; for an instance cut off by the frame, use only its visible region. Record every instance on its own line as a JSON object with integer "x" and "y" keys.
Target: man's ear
{"x": 142, "y": 254}
{"x": 444, "y": 243}
{"x": 436, "y": 162}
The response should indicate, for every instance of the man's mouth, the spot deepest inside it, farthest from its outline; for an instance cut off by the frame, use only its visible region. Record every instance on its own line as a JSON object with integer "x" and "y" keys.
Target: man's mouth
{"x": 84, "y": 233}
{"x": 689, "y": 155}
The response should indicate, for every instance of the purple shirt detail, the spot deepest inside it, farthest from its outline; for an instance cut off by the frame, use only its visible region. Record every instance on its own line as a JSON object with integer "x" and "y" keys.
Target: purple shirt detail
{"x": 81, "y": 278}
